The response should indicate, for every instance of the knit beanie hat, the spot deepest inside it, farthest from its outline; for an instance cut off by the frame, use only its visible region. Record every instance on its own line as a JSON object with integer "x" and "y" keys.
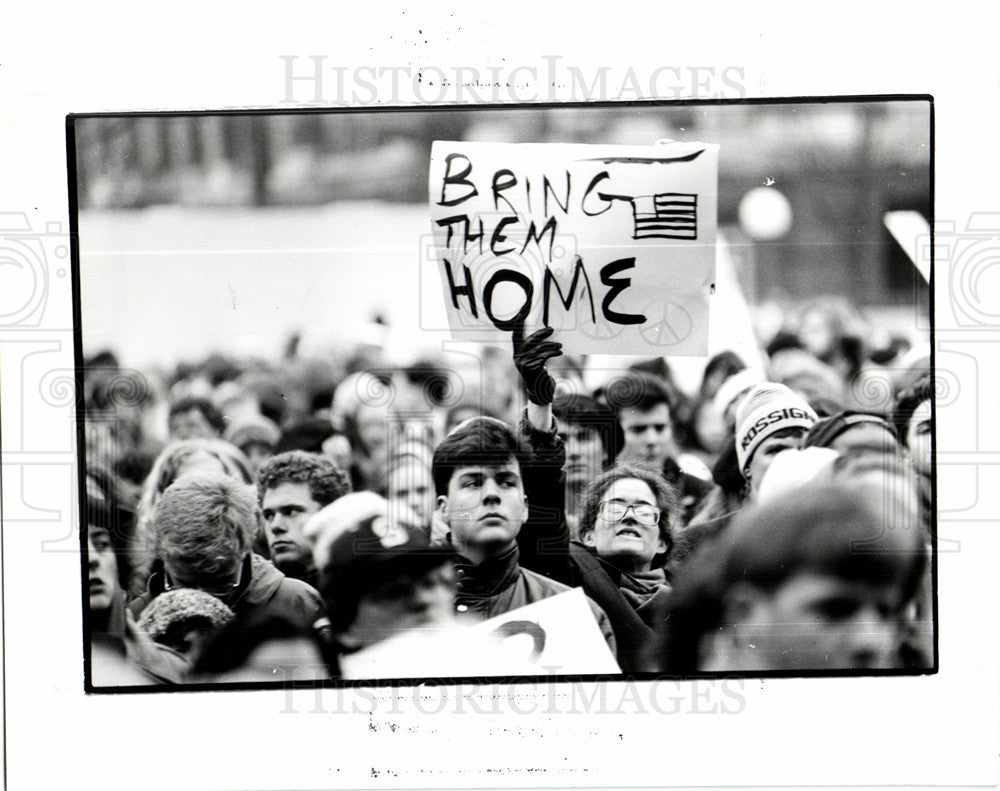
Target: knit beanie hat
{"x": 736, "y": 385}
{"x": 767, "y": 409}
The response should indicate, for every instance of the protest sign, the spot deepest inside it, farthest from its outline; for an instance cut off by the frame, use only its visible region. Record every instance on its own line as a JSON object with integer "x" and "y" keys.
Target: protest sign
{"x": 613, "y": 246}
{"x": 555, "y": 635}
{"x": 430, "y": 651}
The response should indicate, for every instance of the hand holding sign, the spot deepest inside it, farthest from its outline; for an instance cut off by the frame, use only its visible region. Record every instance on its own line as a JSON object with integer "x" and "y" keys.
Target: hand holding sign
{"x": 530, "y": 356}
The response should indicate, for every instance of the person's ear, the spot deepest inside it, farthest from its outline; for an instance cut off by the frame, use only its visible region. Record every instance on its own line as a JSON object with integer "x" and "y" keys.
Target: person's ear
{"x": 442, "y": 507}
{"x": 524, "y": 513}
{"x": 587, "y": 539}
{"x": 661, "y": 545}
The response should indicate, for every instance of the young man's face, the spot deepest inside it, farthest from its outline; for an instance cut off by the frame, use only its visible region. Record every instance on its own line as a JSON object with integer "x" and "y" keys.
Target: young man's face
{"x": 649, "y": 437}
{"x": 817, "y": 622}
{"x": 630, "y": 541}
{"x": 585, "y": 453}
{"x": 485, "y": 507}
{"x": 918, "y": 437}
{"x": 765, "y": 453}
{"x": 103, "y": 565}
{"x": 286, "y": 508}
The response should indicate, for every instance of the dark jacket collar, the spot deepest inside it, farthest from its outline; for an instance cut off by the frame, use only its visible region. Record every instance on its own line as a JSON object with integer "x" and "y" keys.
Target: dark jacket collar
{"x": 489, "y": 577}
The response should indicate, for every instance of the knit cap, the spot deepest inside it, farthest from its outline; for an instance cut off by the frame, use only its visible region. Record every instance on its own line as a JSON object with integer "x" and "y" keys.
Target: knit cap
{"x": 736, "y": 385}
{"x": 767, "y": 409}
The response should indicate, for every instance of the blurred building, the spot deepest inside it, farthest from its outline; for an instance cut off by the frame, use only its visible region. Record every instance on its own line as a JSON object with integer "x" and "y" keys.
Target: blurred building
{"x": 839, "y": 167}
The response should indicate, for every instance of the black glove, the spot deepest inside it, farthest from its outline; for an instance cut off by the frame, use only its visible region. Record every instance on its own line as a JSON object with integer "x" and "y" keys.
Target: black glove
{"x": 530, "y": 356}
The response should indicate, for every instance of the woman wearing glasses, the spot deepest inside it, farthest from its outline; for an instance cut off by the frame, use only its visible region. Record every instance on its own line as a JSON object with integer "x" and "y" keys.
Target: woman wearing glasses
{"x": 626, "y": 524}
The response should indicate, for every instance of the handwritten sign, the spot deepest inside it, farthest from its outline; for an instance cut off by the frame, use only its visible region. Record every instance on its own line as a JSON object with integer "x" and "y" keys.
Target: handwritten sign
{"x": 557, "y": 635}
{"x": 613, "y": 246}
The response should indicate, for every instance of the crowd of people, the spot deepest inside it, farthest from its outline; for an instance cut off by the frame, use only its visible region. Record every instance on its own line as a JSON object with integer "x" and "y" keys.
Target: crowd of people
{"x": 344, "y": 518}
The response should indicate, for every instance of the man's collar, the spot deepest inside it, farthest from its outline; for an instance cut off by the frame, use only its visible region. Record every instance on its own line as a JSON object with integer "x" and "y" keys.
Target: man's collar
{"x": 491, "y": 576}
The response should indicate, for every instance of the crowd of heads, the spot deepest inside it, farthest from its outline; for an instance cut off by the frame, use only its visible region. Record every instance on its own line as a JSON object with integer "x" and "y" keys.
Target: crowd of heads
{"x": 776, "y": 517}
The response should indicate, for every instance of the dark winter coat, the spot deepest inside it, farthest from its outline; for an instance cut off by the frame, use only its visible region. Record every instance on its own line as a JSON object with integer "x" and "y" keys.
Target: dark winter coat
{"x": 500, "y": 584}
{"x": 267, "y": 593}
{"x": 545, "y": 548}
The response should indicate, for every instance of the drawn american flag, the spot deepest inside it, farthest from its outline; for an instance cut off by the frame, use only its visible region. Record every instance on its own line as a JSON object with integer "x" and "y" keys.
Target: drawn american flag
{"x": 669, "y": 215}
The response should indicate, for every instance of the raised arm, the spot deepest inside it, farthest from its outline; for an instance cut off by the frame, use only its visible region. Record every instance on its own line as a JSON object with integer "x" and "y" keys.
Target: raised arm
{"x": 544, "y": 539}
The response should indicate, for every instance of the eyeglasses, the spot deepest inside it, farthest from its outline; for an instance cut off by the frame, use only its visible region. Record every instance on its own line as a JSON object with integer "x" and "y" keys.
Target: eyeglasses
{"x": 615, "y": 511}
{"x": 220, "y": 592}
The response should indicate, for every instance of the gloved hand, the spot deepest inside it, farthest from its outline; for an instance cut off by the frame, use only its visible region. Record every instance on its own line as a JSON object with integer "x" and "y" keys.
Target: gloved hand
{"x": 530, "y": 356}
